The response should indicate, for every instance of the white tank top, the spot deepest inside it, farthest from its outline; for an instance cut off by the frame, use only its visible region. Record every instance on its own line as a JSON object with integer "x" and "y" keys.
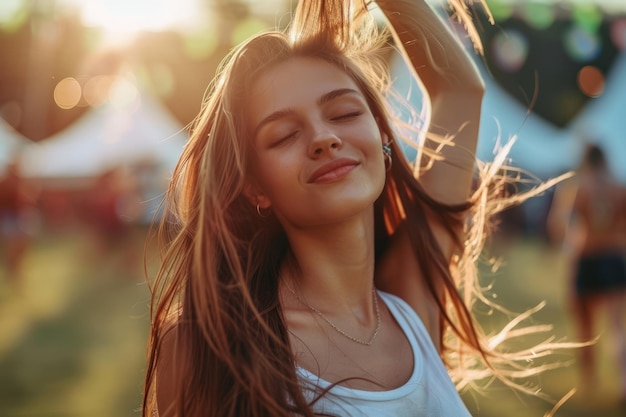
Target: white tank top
{"x": 429, "y": 392}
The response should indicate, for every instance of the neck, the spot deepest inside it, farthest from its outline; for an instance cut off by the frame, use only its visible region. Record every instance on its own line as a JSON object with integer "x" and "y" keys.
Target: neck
{"x": 334, "y": 265}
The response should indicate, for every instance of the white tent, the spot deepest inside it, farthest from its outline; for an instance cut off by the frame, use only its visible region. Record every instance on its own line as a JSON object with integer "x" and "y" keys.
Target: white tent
{"x": 541, "y": 148}
{"x": 546, "y": 150}
{"x": 109, "y": 135}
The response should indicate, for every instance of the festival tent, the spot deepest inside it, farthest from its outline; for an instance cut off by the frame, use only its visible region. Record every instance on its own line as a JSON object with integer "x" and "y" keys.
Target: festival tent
{"x": 546, "y": 150}
{"x": 539, "y": 147}
{"x": 107, "y": 136}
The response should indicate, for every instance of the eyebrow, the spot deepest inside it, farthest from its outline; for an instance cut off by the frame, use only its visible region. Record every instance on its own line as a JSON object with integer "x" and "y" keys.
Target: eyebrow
{"x": 279, "y": 114}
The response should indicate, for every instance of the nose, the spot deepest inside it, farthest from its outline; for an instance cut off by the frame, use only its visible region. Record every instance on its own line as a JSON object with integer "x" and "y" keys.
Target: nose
{"x": 324, "y": 142}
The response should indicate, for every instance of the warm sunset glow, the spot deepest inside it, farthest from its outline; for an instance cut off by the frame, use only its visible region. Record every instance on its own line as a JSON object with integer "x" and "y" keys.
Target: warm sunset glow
{"x": 122, "y": 19}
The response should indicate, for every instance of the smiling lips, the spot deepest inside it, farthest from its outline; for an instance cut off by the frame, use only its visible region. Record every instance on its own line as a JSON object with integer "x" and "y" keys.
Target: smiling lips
{"x": 333, "y": 170}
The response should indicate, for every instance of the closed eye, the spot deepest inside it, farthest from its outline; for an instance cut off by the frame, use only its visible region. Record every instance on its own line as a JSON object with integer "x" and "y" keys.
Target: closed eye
{"x": 347, "y": 116}
{"x": 284, "y": 138}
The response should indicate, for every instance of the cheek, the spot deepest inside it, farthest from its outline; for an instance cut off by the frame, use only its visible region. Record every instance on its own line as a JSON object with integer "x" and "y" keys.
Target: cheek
{"x": 372, "y": 143}
{"x": 276, "y": 175}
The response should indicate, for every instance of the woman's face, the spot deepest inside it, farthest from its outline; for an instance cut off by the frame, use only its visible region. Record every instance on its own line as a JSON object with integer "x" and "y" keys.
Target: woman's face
{"x": 317, "y": 147}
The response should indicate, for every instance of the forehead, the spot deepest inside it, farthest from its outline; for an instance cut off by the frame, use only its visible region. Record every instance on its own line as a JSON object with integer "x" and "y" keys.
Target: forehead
{"x": 294, "y": 82}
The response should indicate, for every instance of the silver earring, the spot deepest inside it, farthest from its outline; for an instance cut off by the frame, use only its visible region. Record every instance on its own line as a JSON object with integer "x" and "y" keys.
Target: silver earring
{"x": 387, "y": 155}
{"x": 260, "y": 213}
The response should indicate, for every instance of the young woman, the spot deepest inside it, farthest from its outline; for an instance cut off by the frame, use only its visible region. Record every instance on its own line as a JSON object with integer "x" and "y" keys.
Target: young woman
{"x": 309, "y": 269}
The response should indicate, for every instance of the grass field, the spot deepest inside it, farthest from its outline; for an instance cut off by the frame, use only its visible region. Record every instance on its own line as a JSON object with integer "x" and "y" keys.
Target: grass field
{"x": 72, "y": 333}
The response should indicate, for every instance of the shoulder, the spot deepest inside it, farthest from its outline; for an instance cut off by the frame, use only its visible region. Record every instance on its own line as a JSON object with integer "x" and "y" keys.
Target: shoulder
{"x": 403, "y": 312}
{"x": 398, "y": 273}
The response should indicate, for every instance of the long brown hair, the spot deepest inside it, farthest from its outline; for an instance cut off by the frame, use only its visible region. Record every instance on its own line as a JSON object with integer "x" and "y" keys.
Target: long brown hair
{"x": 217, "y": 290}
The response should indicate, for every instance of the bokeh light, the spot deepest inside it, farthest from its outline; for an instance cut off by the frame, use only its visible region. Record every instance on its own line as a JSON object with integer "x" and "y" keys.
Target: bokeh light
{"x": 67, "y": 93}
{"x": 539, "y": 15}
{"x": 510, "y": 50}
{"x": 96, "y": 90}
{"x": 590, "y": 81}
{"x": 117, "y": 91}
{"x": 501, "y": 10}
{"x": 587, "y": 16}
{"x": 581, "y": 44}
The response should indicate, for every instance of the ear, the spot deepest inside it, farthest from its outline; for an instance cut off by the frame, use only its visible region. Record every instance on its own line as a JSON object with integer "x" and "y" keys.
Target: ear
{"x": 255, "y": 195}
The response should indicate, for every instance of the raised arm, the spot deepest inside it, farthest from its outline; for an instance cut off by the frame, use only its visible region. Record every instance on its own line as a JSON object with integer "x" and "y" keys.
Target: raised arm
{"x": 454, "y": 88}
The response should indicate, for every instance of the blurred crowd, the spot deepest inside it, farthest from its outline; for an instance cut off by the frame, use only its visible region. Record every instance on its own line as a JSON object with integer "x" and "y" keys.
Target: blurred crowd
{"x": 110, "y": 208}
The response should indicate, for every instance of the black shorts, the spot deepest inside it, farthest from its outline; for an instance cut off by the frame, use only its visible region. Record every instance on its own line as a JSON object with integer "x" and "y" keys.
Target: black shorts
{"x": 600, "y": 273}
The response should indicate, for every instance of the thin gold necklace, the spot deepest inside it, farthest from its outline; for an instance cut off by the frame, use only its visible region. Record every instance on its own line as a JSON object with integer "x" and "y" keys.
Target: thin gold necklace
{"x": 337, "y": 329}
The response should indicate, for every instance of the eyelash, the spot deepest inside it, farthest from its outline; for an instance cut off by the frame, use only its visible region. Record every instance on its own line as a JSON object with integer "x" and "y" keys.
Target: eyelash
{"x": 347, "y": 115}
{"x": 285, "y": 138}
{"x": 338, "y": 118}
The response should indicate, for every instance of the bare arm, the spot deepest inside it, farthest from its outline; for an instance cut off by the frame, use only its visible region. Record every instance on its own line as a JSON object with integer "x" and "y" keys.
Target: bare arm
{"x": 455, "y": 90}
{"x": 561, "y": 211}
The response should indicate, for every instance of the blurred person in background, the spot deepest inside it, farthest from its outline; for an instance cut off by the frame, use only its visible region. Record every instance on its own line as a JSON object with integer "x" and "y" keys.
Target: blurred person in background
{"x": 589, "y": 215}
{"x": 105, "y": 204}
{"x": 115, "y": 209}
{"x": 17, "y": 220}
{"x": 308, "y": 267}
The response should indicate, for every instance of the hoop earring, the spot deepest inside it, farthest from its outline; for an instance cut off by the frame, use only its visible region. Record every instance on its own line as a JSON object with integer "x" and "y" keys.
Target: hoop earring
{"x": 260, "y": 213}
{"x": 387, "y": 155}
